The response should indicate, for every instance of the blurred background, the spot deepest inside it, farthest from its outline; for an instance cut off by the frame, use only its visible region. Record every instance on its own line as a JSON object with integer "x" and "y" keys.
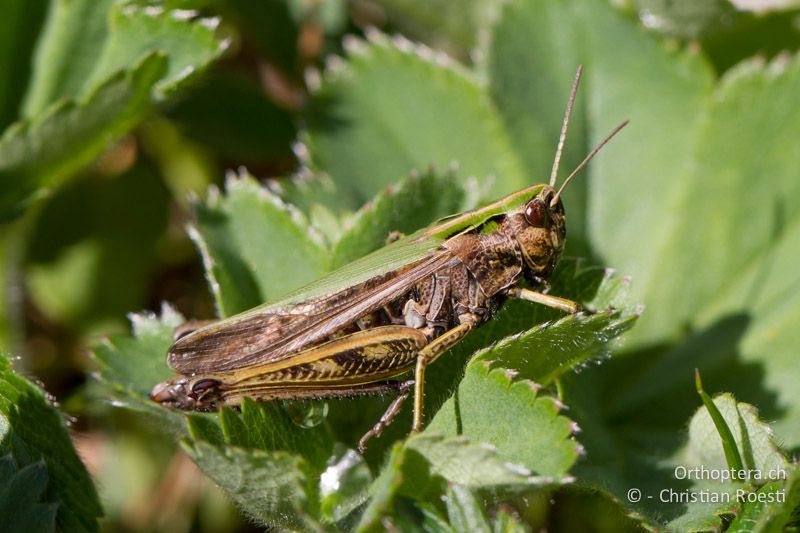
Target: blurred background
{"x": 110, "y": 238}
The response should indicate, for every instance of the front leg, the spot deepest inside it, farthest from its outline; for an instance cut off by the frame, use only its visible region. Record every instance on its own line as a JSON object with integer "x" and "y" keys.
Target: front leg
{"x": 562, "y": 304}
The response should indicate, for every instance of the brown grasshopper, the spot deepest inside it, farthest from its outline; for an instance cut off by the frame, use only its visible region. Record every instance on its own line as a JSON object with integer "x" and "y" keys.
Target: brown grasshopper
{"x": 356, "y": 330}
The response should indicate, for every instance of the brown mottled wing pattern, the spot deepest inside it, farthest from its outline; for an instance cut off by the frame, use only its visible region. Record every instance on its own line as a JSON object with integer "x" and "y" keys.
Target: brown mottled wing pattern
{"x": 275, "y": 334}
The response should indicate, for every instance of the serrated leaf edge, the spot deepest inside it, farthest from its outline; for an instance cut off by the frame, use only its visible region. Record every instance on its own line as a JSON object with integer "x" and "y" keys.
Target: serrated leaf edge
{"x": 32, "y": 125}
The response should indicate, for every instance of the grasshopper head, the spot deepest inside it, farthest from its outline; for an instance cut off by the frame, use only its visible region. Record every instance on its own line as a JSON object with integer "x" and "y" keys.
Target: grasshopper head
{"x": 181, "y": 393}
{"x": 540, "y": 229}
{"x": 540, "y": 226}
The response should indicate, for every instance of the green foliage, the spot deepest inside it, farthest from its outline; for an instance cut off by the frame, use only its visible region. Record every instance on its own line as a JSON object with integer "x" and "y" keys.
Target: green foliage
{"x": 404, "y": 208}
{"x": 21, "y": 24}
{"x": 42, "y": 475}
{"x": 70, "y": 135}
{"x": 347, "y": 139}
{"x": 472, "y": 411}
{"x": 129, "y": 366}
{"x": 764, "y": 465}
{"x": 232, "y": 233}
{"x": 465, "y": 512}
{"x": 776, "y": 511}
{"x": 732, "y": 455}
{"x": 752, "y": 437}
{"x": 71, "y": 41}
{"x": 20, "y": 492}
{"x": 693, "y": 201}
{"x": 347, "y": 121}
{"x": 273, "y": 488}
{"x": 455, "y": 25}
{"x": 98, "y": 70}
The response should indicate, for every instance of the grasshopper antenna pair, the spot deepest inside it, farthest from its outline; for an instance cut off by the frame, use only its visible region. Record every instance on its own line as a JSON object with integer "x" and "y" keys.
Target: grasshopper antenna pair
{"x": 563, "y": 137}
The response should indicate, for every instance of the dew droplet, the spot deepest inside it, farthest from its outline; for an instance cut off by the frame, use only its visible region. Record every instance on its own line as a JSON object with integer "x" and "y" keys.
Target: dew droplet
{"x": 307, "y": 414}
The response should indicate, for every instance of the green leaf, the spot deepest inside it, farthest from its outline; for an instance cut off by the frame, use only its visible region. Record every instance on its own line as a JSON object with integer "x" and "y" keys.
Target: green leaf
{"x": 90, "y": 250}
{"x": 506, "y": 522}
{"x": 748, "y": 517}
{"x": 762, "y": 458}
{"x": 264, "y": 460}
{"x": 546, "y": 448}
{"x": 742, "y": 337}
{"x": 747, "y": 246}
{"x": 558, "y": 346}
{"x": 470, "y": 463}
{"x": 247, "y": 238}
{"x": 772, "y": 508}
{"x": 422, "y": 469}
{"x": 21, "y": 490}
{"x": 85, "y": 42}
{"x": 148, "y": 54}
{"x": 751, "y": 34}
{"x": 35, "y": 434}
{"x": 343, "y": 486}
{"x": 698, "y": 469}
{"x": 361, "y": 132}
{"x": 686, "y": 19}
{"x": 742, "y": 303}
{"x": 465, "y": 511}
{"x": 456, "y": 26}
{"x": 275, "y": 489}
{"x": 530, "y": 90}
{"x": 534, "y": 52}
{"x": 12, "y": 246}
{"x": 268, "y": 426}
{"x": 134, "y": 32}
{"x": 384, "y": 490}
{"x": 19, "y": 28}
{"x": 704, "y": 450}
{"x": 46, "y": 151}
{"x": 433, "y": 521}
{"x": 131, "y": 366}
{"x": 766, "y": 5}
{"x": 414, "y": 203}
{"x": 70, "y": 44}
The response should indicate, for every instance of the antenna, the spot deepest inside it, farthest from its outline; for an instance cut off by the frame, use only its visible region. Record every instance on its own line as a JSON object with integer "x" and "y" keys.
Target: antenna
{"x": 589, "y": 157}
{"x": 567, "y": 115}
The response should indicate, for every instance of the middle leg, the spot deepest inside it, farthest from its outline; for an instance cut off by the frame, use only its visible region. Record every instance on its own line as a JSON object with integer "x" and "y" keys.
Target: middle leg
{"x": 429, "y": 354}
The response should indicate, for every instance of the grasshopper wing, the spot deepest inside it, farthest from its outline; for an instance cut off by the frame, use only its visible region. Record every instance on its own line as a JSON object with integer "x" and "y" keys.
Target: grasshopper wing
{"x": 278, "y": 331}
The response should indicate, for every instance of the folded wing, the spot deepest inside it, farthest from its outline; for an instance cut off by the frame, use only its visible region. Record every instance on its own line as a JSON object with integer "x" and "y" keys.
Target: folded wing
{"x": 276, "y": 333}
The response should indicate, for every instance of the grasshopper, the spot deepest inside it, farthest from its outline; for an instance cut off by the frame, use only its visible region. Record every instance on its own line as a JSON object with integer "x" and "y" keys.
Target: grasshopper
{"x": 356, "y": 330}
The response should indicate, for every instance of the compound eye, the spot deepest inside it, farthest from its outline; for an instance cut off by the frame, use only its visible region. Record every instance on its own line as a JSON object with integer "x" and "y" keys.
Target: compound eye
{"x": 536, "y": 213}
{"x": 204, "y": 385}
